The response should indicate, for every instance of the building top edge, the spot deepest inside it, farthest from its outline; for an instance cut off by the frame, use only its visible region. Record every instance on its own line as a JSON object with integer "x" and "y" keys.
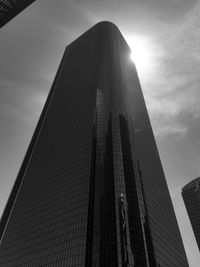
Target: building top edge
{"x": 191, "y": 184}
{"x": 105, "y": 23}
{"x": 102, "y": 26}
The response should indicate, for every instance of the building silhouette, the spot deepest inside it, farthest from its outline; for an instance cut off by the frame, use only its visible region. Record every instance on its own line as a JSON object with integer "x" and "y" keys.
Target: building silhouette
{"x": 11, "y": 8}
{"x": 191, "y": 197}
{"x": 91, "y": 190}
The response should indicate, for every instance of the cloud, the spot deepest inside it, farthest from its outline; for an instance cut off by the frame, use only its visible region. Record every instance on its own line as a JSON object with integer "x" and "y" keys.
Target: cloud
{"x": 165, "y": 130}
{"x": 172, "y": 92}
{"x": 23, "y": 107}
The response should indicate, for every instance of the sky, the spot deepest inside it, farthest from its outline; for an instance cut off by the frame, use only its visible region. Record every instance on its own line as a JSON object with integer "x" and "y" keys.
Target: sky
{"x": 31, "y": 48}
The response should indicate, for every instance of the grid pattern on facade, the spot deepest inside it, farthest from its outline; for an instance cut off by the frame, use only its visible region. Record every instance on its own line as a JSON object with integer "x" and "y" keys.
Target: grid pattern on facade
{"x": 146, "y": 225}
{"x": 191, "y": 197}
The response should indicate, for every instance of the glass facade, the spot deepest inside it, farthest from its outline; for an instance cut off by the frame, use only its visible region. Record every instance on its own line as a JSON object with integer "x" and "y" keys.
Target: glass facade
{"x": 191, "y": 197}
{"x": 91, "y": 190}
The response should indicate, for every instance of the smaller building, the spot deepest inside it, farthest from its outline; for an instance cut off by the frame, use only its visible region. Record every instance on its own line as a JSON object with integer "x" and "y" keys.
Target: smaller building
{"x": 11, "y": 8}
{"x": 191, "y": 197}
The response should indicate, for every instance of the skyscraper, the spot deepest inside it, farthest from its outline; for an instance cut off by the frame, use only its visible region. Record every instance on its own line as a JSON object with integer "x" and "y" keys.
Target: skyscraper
{"x": 91, "y": 190}
{"x": 191, "y": 197}
{"x": 11, "y": 8}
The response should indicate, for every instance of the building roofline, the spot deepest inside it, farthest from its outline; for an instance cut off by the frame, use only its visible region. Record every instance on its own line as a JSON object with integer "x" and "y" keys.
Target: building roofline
{"x": 190, "y": 183}
{"x": 102, "y": 27}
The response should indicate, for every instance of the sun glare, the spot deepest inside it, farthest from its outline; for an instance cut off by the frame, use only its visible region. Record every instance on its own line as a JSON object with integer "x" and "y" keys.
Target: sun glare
{"x": 142, "y": 53}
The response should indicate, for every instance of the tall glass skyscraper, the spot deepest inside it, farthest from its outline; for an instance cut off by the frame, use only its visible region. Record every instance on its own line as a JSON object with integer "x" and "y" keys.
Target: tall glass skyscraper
{"x": 91, "y": 190}
{"x": 191, "y": 197}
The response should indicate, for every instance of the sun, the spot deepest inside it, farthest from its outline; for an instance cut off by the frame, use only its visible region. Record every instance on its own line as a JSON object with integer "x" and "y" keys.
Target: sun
{"x": 142, "y": 53}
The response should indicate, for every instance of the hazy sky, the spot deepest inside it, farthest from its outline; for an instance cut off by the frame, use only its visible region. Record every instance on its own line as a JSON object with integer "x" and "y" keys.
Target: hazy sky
{"x": 31, "y": 47}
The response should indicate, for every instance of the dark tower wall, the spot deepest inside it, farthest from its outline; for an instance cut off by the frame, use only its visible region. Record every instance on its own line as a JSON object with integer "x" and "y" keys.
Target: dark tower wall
{"x": 91, "y": 190}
